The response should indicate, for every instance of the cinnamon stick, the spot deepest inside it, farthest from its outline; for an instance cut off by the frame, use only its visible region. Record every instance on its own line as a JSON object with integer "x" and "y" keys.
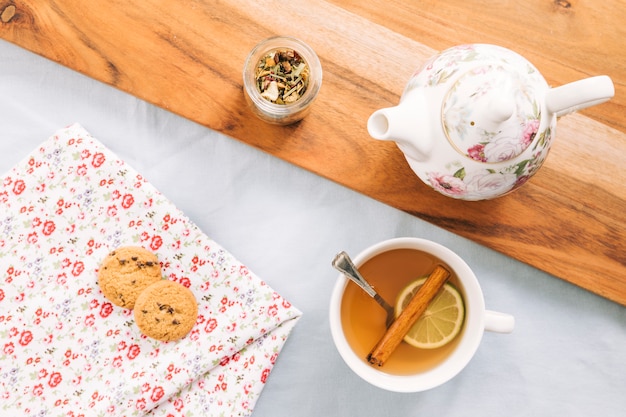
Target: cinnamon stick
{"x": 416, "y": 307}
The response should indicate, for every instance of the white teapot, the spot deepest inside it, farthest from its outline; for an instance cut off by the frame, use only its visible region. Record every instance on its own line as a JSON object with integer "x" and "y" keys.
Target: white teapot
{"x": 477, "y": 121}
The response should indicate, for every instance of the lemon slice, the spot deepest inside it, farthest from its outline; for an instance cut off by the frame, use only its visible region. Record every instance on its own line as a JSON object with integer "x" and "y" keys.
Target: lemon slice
{"x": 442, "y": 320}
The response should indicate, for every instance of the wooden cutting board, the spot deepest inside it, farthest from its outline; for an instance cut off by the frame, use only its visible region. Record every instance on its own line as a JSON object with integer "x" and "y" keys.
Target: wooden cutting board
{"x": 187, "y": 56}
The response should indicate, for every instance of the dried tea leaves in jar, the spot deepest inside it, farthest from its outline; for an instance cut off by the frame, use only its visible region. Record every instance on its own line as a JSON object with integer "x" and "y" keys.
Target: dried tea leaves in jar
{"x": 282, "y": 76}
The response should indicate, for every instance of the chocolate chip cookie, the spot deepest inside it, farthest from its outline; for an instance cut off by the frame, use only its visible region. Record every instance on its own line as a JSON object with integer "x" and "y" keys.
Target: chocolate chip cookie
{"x": 126, "y": 272}
{"x": 166, "y": 311}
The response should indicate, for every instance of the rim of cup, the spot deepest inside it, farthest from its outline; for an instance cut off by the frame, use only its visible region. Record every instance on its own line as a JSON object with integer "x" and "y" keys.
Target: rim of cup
{"x": 471, "y": 333}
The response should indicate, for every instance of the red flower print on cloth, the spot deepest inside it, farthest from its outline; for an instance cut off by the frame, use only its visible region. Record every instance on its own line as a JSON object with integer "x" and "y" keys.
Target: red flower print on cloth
{"x": 68, "y": 350}
{"x": 26, "y": 337}
{"x": 78, "y": 268}
{"x": 106, "y": 309}
{"x": 98, "y": 159}
{"x": 38, "y": 390}
{"x": 48, "y": 227}
{"x": 157, "y": 394}
{"x": 127, "y": 201}
{"x": 19, "y": 187}
{"x": 133, "y": 351}
{"x": 156, "y": 242}
{"x": 265, "y": 374}
{"x": 81, "y": 170}
{"x": 55, "y": 379}
{"x": 9, "y": 348}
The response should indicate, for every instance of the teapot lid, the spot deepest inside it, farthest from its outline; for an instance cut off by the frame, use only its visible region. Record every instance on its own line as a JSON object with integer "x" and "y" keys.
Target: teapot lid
{"x": 491, "y": 113}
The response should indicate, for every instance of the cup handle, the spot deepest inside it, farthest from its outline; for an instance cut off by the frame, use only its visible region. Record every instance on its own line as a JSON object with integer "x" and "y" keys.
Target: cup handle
{"x": 499, "y": 322}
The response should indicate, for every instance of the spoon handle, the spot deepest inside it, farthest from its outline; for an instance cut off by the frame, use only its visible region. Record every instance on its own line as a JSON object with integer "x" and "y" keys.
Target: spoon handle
{"x": 343, "y": 263}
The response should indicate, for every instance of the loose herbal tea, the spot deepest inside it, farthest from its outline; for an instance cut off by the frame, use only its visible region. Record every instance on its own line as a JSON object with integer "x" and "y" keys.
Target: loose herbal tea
{"x": 282, "y": 76}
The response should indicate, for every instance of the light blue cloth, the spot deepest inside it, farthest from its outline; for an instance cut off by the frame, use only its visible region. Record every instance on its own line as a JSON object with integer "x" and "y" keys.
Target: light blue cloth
{"x": 566, "y": 357}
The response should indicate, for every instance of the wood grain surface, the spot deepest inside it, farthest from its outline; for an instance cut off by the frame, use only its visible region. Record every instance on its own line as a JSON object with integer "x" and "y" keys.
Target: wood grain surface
{"x": 187, "y": 56}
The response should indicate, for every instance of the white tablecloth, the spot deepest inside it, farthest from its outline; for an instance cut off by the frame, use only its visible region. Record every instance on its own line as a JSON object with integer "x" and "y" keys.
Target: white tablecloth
{"x": 566, "y": 357}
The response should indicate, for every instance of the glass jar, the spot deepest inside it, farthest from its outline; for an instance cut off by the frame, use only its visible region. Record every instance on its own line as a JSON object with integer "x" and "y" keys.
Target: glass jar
{"x": 258, "y": 100}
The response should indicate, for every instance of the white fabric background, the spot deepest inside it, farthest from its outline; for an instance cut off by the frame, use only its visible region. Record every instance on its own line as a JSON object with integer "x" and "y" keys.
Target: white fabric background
{"x": 566, "y": 357}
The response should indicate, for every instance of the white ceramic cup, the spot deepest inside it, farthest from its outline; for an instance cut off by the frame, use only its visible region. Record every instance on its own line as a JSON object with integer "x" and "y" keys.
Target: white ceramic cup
{"x": 477, "y": 320}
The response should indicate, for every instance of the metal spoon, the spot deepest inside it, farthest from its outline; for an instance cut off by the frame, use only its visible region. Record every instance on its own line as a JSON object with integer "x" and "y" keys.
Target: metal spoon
{"x": 344, "y": 264}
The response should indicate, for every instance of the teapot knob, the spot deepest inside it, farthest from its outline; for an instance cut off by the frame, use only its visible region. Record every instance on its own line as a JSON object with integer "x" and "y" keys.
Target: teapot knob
{"x": 497, "y": 112}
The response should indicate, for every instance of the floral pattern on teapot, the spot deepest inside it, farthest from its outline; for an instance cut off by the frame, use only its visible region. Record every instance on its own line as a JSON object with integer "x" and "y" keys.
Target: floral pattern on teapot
{"x": 493, "y": 162}
{"x": 488, "y": 182}
{"x": 484, "y": 126}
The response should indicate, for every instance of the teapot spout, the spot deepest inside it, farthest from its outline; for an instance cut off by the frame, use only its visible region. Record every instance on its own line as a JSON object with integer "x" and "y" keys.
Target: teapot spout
{"x": 404, "y": 124}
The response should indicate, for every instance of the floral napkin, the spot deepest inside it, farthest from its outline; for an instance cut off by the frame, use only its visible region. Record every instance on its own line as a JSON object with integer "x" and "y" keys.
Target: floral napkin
{"x": 65, "y": 350}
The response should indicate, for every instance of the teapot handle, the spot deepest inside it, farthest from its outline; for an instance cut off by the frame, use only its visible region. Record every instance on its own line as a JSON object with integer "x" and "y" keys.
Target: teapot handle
{"x": 580, "y": 94}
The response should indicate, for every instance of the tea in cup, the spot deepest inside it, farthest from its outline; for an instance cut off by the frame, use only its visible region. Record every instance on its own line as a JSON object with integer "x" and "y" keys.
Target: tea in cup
{"x": 358, "y": 323}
